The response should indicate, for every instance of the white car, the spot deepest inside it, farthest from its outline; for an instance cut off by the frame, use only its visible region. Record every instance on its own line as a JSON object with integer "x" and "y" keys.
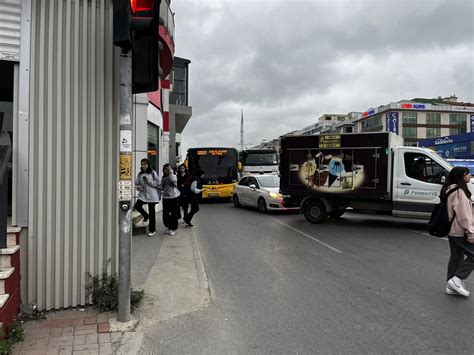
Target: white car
{"x": 261, "y": 191}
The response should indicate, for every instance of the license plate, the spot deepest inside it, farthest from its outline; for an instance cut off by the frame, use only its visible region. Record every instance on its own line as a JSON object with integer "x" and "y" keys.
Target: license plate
{"x": 213, "y": 194}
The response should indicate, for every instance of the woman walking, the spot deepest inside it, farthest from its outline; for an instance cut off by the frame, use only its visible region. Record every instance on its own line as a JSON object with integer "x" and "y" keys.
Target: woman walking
{"x": 193, "y": 188}
{"x": 147, "y": 183}
{"x": 183, "y": 177}
{"x": 170, "y": 194}
{"x": 461, "y": 234}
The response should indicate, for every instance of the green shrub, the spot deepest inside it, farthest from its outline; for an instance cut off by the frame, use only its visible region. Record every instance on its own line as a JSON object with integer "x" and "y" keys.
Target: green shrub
{"x": 104, "y": 292}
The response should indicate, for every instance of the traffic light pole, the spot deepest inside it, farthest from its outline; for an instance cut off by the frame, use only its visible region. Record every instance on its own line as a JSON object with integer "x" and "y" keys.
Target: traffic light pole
{"x": 125, "y": 186}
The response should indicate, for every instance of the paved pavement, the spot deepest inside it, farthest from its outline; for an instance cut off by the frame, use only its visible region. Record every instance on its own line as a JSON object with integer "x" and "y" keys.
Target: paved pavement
{"x": 171, "y": 272}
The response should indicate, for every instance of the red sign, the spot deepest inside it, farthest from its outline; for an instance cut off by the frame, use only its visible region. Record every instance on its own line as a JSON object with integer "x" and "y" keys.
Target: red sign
{"x": 406, "y": 106}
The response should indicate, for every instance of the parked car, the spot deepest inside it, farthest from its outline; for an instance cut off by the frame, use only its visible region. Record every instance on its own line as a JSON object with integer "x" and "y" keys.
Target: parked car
{"x": 261, "y": 191}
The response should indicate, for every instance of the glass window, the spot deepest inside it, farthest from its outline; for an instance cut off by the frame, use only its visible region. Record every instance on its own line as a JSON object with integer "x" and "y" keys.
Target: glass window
{"x": 409, "y": 132}
{"x": 152, "y": 149}
{"x": 432, "y": 132}
{"x": 253, "y": 181}
{"x": 244, "y": 181}
{"x": 458, "y": 118}
{"x": 420, "y": 167}
{"x": 372, "y": 123}
{"x": 457, "y": 131}
{"x": 433, "y": 118}
{"x": 409, "y": 117}
{"x": 269, "y": 181}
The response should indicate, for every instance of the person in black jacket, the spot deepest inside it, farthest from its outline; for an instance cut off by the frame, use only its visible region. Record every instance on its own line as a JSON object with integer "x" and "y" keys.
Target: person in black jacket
{"x": 183, "y": 177}
{"x": 193, "y": 189}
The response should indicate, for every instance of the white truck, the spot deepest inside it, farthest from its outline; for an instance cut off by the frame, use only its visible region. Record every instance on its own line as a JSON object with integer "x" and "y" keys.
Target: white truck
{"x": 259, "y": 161}
{"x": 367, "y": 172}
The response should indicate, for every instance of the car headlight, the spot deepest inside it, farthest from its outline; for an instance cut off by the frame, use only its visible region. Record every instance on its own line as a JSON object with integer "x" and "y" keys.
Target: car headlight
{"x": 275, "y": 195}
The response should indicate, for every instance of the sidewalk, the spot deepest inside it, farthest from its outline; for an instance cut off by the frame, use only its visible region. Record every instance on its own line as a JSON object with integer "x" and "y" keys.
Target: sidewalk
{"x": 171, "y": 272}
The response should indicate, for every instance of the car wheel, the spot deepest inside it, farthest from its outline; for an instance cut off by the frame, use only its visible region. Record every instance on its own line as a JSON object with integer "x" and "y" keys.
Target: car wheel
{"x": 336, "y": 213}
{"x": 315, "y": 211}
{"x": 262, "y": 205}
{"x": 235, "y": 200}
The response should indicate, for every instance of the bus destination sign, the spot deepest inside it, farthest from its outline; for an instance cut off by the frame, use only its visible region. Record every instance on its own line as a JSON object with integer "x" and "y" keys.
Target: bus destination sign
{"x": 212, "y": 152}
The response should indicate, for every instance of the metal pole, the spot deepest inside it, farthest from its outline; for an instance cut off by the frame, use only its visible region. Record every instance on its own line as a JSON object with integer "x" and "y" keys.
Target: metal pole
{"x": 125, "y": 186}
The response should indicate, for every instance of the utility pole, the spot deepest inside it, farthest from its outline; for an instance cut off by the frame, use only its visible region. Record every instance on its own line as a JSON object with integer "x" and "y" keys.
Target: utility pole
{"x": 242, "y": 130}
{"x": 125, "y": 186}
{"x": 135, "y": 31}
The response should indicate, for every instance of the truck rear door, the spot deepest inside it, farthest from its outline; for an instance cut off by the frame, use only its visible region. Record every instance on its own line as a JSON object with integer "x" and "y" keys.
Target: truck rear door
{"x": 417, "y": 182}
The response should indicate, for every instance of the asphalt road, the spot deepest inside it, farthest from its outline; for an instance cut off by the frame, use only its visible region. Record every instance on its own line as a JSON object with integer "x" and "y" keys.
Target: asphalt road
{"x": 361, "y": 284}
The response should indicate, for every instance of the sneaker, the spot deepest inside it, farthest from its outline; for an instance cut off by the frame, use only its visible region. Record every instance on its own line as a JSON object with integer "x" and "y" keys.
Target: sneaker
{"x": 172, "y": 232}
{"x": 151, "y": 234}
{"x": 167, "y": 231}
{"x": 456, "y": 284}
{"x": 450, "y": 292}
{"x": 142, "y": 223}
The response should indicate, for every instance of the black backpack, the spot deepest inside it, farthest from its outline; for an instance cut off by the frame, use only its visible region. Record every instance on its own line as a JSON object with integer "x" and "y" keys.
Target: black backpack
{"x": 440, "y": 224}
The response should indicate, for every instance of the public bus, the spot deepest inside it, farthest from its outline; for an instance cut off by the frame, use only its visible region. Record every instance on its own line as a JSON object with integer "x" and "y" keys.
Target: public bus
{"x": 220, "y": 167}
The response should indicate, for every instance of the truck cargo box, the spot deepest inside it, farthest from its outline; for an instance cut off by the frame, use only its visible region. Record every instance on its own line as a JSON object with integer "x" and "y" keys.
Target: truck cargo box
{"x": 349, "y": 166}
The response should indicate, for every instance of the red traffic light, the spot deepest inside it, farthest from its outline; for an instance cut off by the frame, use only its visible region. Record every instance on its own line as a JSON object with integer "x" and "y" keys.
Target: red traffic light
{"x": 141, "y": 5}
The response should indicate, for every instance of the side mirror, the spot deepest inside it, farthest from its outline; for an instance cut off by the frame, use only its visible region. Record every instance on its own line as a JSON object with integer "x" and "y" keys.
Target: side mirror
{"x": 253, "y": 186}
{"x": 443, "y": 179}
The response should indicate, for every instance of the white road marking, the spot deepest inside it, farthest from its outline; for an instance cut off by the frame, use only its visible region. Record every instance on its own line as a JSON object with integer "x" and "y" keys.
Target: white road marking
{"x": 425, "y": 234}
{"x": 307, "y": 235}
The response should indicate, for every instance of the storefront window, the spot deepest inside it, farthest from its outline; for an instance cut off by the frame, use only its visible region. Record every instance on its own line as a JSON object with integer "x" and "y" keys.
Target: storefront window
{"x": 153, "y": 145}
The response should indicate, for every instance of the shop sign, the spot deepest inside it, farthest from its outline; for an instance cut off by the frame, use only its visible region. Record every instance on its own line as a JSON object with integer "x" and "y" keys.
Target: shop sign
{"x": 413, "y": 106}
{"x": 333, "y": 141}
{"x": 368, "y": 113}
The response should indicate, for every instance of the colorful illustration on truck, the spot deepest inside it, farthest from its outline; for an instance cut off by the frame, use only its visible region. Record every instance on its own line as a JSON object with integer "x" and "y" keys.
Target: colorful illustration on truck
{"x": 331, "y": 173}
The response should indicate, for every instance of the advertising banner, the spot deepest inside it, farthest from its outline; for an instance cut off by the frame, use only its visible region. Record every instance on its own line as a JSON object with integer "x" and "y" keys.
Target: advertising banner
{"x": 392, "y": 122}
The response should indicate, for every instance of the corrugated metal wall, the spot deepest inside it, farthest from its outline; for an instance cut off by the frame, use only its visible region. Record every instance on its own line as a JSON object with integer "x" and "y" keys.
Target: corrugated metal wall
{"x": 73, "y": 149}
{"x": 10, "y": 20}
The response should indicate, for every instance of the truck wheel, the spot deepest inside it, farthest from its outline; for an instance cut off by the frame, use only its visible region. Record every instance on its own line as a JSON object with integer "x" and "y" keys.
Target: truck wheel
{"x": 262, "y": 205}
{"x": 336, "y": 213}
{"x": 315, "y": 211}
{"x": 235, "y": 200}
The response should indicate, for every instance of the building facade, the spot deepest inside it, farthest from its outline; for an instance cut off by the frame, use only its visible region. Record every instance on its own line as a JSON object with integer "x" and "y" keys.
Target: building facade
{"x": 420, "y": 119}
{"x": 60, "y": 106}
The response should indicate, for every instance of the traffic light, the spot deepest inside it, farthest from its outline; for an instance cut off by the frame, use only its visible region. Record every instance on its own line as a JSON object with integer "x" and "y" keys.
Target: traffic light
{"x": 136, "y": 27}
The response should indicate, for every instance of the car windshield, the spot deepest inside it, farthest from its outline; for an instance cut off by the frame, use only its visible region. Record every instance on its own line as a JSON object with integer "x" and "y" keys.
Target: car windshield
{"x": 269, "y": 181}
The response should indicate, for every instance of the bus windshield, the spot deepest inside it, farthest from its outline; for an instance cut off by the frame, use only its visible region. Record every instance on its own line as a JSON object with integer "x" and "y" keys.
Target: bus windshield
{"x": 259, "y": 158}
{"x": 218, "y": 164}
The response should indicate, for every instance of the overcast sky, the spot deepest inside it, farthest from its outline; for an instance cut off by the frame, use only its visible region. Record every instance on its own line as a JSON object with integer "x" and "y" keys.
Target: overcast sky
{"x": 288, "y": 62}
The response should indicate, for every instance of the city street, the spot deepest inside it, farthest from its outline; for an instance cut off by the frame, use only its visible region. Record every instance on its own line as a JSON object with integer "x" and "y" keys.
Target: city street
{"x": 364, "y": 283}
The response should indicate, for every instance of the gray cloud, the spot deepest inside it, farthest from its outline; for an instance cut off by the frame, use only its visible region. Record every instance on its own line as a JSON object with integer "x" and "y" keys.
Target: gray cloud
{"x": 288, "y": 62}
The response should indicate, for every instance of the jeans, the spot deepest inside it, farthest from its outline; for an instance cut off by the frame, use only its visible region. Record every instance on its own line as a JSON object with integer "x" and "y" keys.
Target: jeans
{"x": 461, "y": 260}
{"x": 147, "y": 216}
{"x": 171, "y": 213}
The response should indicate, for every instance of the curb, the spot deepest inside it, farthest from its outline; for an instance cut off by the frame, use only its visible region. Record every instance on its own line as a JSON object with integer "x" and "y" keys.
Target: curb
{"x": 201, "y": 270}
